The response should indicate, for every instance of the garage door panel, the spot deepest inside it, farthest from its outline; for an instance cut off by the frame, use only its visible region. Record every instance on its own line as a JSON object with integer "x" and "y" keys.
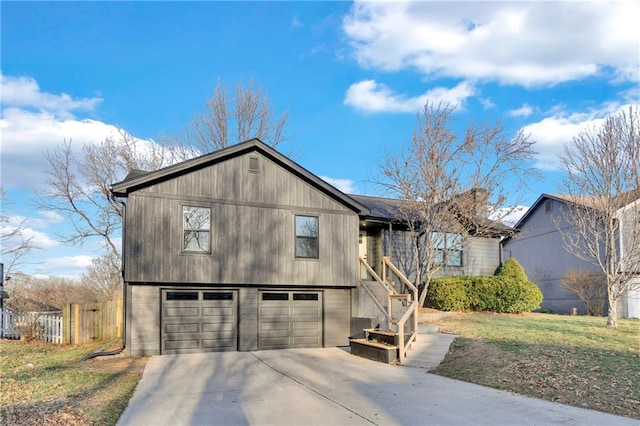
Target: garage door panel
{"x": 275, "y": 342}
{"x": 219, "y": 344}
{"x": 214, "y": 311}
{"x": 305, "y": 341}
{"x": 290, "y": 319}
{"x": 274, "y": 312}
{"x": 181, "y": 344}
{"x": 220, "y": 327}
{"x": 305, "y": 325}
{"x": 272, "y": 325}
{"x": 181, "y": 328}
{"x": 181, "y": 312}
{"x": 207, "y": 322}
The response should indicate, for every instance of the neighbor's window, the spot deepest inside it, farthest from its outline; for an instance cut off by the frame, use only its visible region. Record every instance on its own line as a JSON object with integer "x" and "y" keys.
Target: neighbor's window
{"x": 196, "y": 224}
{"x": 307, "y": 240}
{"x": 447, "y": 248}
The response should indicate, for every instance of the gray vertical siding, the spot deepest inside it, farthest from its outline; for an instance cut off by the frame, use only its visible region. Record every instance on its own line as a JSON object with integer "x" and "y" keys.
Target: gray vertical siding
{"x": 337, "y": 317}
{"x": 248, "y": 320}
{"x": 252, "y": 230}
{"x": 481, "y": 255}
{"x": 540, "y": 249}
{"x": 143, "y": 320}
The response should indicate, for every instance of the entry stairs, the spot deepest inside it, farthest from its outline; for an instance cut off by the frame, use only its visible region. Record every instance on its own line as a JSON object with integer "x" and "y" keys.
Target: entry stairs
{"x": 392, "y": 304}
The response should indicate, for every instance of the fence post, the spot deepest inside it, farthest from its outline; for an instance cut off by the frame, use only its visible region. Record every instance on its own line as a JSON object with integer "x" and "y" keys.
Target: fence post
{"x": 66, "y": 324}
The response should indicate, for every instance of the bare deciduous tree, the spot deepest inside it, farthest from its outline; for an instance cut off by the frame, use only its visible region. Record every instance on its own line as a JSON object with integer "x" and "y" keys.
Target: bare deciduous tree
{"x": 602, "y": 184}
{"x": 448, "y": 182}
{"x": 15, "y": 245}
{"x": 102, "y": 279}
{"x": 589, "y": 287}
{"x": 232, "y": 118}
{"x": 78, "y": 183}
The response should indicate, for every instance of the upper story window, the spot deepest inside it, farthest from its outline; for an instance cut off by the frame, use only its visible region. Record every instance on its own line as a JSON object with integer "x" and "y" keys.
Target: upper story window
{"x": 196, "y": 225}
{"x": 307, "y": 237}
{"x": 548, "y": 206}
{"x": 447, "y": 248}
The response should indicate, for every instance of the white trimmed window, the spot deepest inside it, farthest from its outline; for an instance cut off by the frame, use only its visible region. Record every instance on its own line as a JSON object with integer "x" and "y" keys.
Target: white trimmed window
{"x": 196, "y": 225}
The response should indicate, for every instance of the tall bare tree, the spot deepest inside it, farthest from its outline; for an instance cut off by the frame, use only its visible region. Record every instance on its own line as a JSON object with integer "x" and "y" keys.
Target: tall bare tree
{"x": 78, "y": 182}
{"x": 450, "y": 181}
{"x": 102, "y": 280}
{"x": 602, "y": 166}
{"x": 15, "y": 244}
{"x": 78, "y": 185}
{"x": 230, "y": 118}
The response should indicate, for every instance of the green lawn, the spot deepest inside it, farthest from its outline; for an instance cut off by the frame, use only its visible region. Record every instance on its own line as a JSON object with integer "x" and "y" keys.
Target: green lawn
{"x": 47, "y": 384}
{"x": 573, "y": 360}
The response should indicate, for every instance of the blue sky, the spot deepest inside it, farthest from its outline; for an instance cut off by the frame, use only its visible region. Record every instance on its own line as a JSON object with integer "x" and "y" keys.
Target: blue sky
{"x": 351, "y": 76}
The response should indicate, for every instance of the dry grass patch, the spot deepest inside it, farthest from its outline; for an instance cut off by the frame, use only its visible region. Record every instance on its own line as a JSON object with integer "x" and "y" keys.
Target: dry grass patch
{"x": 571, "y": 360}
{"x": 48, "y": 384}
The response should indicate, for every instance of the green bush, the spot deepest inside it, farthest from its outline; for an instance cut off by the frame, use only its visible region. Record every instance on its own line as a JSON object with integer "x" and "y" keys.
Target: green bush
{"x": 512, "y": 269}
{"x": 448, "y": 294}
{"x": 509, "y": 291}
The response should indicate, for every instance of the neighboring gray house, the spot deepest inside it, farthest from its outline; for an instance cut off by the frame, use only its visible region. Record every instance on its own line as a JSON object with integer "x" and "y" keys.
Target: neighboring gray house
{"x": 539, "y": 247}
{"x": 243, "y": 249}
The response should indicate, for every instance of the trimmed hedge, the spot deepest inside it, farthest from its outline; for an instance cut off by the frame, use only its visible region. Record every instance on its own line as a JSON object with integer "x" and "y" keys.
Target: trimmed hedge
{"x": 509, "y": 291}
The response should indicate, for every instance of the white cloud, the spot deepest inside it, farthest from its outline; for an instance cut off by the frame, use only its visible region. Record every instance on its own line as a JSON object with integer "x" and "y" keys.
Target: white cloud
{"x": 372, "y": 97}
{"x": 25, "y": 92}
{"x": 26, "y": 231}
{"x": 552, "y": 133}
{"x": 522, "y": 43}
{"x": 51, "y": 216}
{"x": 345, "y": 185}
{"x": 66, "y": 266}
{"x": 524, "y": 111}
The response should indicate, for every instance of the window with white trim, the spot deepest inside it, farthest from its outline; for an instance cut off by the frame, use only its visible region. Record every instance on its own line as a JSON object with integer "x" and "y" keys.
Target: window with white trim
{"x": 196, "y": 226}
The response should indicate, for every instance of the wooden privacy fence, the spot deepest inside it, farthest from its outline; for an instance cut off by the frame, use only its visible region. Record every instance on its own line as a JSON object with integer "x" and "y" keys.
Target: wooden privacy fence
{"x": 92, "y": 322}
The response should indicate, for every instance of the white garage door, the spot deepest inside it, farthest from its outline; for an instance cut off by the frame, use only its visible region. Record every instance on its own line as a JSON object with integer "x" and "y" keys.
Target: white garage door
{"x": 199, "y": 321}
{"x": 290, "y": 319}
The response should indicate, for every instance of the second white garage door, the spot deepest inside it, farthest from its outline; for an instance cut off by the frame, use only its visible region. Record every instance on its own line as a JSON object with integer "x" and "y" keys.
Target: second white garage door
{"x": 290, "y": 319}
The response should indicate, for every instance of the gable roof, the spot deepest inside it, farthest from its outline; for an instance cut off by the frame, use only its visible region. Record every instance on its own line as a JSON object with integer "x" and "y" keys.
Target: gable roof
{"x": 137, "y": 180}
{"x": 584, "y": 200}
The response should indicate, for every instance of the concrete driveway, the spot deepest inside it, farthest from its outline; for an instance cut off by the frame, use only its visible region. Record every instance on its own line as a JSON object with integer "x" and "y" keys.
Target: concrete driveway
{"x": 326, "y": 387}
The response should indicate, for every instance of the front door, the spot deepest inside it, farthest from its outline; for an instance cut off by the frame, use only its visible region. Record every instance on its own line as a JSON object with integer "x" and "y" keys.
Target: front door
{"x": 363, "y": 253}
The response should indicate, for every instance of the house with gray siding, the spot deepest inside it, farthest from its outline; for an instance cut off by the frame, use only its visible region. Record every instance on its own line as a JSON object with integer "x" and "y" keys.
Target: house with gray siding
{"x": 243, "y": 249}
{"x": 539, "y": 247}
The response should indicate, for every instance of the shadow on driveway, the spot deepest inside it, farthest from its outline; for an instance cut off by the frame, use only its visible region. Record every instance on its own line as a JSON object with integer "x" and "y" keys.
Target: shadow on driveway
{"x": 325, "y": 386}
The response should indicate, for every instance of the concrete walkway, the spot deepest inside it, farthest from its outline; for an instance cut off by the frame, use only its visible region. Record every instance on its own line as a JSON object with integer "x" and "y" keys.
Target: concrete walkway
{"x": 429, "y": 349}
{"x": 326, "y": 387}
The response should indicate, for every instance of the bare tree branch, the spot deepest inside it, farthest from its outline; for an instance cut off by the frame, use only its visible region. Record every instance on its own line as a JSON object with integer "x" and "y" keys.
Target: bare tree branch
{"x": 446, "y": 180}
{"x": 602, "y": 169}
